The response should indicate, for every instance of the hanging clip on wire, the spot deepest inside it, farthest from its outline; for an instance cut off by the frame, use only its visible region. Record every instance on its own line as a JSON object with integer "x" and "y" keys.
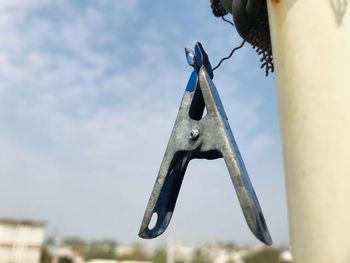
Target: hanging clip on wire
{"x": 195, "y": 136}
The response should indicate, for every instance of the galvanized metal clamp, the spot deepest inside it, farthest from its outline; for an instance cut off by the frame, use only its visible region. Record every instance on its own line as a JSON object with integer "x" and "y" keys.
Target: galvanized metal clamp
{"x": 195, "y": 136}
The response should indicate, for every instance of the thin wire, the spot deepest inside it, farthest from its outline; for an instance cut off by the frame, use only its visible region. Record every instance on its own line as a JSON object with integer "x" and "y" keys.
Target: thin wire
{"x": 225, "y": 58}
{"x": 228, "y": 21}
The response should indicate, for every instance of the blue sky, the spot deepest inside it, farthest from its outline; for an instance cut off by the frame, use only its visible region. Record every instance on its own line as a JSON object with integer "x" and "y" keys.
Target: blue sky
{"x": 89, "y": 92}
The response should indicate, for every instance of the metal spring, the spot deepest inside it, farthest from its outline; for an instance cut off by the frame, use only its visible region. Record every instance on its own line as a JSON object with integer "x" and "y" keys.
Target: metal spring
{"x": 259, "y": 37}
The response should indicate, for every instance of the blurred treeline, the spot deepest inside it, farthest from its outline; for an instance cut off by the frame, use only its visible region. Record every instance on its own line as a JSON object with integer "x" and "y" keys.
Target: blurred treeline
{"x": 107, "y": 249}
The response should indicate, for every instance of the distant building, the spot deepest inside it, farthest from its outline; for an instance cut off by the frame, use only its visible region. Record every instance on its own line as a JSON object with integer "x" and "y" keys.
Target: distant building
{"x": 286, "y": 256}
{"x": 124, "y": 250}
{"x": 180, "y": 252}
{"x": 20, "y": 241}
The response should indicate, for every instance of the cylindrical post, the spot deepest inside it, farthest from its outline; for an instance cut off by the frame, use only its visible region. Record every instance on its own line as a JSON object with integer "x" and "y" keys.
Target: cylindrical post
{"x": 311, "y": 48}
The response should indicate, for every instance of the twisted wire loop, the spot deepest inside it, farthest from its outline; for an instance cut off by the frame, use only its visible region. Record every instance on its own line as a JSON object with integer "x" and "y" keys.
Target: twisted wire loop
{"x": 230, "y": 55}
{"x": 217, "y": 8}
{"x": 219, "y": 11}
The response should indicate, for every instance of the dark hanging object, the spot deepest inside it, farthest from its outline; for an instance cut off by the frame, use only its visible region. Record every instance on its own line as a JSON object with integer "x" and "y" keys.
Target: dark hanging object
{"x": 251, "y": 20}
{"x": 217, "y": 8}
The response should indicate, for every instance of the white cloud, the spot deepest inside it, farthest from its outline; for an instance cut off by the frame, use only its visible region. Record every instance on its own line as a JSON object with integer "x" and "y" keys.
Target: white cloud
{"x": 87, "y": 106}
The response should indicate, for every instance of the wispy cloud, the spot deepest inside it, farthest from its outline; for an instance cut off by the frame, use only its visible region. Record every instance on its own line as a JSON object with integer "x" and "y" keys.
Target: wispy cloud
{"x": 89, "y": 92}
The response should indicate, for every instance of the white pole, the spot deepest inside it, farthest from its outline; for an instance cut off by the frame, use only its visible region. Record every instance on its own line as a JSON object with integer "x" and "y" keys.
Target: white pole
{"x": 311, "y": 47}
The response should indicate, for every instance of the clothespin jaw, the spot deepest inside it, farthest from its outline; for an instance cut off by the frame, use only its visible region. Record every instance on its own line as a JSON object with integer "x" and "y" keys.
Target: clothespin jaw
{"x": 195, "y": 136}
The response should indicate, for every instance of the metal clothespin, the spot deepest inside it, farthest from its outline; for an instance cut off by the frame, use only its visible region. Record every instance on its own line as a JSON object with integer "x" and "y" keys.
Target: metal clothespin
{"x": 195, "y": 136}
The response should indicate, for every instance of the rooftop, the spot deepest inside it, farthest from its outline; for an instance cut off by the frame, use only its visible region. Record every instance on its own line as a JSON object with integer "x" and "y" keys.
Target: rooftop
{"x": 34, "y": 223}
